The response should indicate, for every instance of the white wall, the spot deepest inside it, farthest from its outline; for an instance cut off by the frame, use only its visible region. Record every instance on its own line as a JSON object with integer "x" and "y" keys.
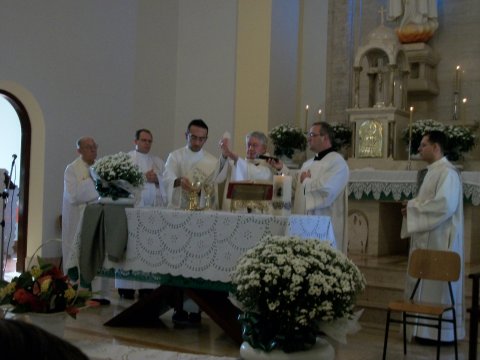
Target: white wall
{"x": 155, "y": 73}
{"x": 106, "y": 68}
{"x": 314, "y": 59}
{"x": 205, "y": 68}
{"x": 284, "y": 62}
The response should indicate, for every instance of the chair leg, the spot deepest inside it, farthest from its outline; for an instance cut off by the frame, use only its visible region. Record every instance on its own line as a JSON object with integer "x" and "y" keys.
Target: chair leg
{"x": 404, "y": 318}
{"x": 455, "y": 333}
{"x": 387, "y": 326}
{"x": 439, "y": 336}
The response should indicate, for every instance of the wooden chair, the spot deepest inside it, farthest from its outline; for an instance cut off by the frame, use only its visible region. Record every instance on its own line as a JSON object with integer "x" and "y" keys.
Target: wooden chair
{"x": 427, "y": 265}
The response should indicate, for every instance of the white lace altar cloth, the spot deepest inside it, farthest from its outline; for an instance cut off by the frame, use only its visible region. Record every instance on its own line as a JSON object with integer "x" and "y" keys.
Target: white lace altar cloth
{"x": 402, "y": 184}
{"x": 205, "y": 245}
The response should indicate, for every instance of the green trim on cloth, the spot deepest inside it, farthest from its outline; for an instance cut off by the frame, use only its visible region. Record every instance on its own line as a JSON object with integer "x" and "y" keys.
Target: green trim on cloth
{"x": 167, "y": 279}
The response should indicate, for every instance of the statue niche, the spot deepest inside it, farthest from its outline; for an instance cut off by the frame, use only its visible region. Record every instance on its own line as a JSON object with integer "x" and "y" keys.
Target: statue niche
{"x": 379, "y": 112}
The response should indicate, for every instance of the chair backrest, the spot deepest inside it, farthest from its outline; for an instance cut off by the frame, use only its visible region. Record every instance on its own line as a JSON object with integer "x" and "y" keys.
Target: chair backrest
{"x": 434, "y": 265}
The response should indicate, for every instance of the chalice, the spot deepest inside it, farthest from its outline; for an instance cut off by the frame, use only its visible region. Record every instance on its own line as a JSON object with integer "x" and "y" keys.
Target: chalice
{"x": 208, "y": 188}
{"x": 193, "y": 196}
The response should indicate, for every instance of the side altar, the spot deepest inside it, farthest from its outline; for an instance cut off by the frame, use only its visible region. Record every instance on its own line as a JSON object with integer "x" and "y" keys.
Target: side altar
{"x": 374, "y": 222}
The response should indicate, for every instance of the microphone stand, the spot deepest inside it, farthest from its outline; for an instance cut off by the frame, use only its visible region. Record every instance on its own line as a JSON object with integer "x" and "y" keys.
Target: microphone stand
{"x": 2, "y": 223}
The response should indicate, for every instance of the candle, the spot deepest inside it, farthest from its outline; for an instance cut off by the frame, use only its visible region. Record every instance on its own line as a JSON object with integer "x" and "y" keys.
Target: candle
{"x": 282, "y": 194}
{"x": 306, "y": 118}
{"x": 319, "y": 114}
{"x": 410, "y": 124}
{"x": 457, "y": 79}
{"x": 464, "y": 102}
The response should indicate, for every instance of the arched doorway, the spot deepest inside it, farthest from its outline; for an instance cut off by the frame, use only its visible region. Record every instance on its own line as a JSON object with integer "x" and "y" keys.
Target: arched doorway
{"x": 24, "y": 173}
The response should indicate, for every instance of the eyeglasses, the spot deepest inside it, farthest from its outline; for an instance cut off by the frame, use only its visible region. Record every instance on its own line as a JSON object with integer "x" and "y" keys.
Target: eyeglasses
{"x": 197, "y": 138}
{"x": 312, "y": 135}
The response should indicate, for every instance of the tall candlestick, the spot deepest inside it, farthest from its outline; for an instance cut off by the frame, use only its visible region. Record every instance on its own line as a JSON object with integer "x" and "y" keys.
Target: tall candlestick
{"x": 410, "y": 137}
{"x": 306, "y": 118}
{"x": 319, "y": 114}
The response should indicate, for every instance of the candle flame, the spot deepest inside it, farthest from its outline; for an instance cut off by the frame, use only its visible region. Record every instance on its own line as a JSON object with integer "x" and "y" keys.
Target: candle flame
{"x": 464, "y": 100}
{"x": 411, "y": 108}
{"x": 458, "y": 67}
{"x": 306, "y": 107}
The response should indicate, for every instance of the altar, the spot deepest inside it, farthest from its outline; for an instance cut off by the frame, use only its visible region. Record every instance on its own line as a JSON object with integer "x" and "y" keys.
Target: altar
{"x": 196, "y": 251}
{"x": 203, "y": 246}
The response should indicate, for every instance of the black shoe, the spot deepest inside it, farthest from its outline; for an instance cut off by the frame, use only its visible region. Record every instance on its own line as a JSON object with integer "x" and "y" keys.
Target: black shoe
{"x": 101, "y": 301}
{"x": 180, "y": 317}
{"x": 431, "y": 342}
{"x": 144, "y": 293}
{"x": 195, "y": 318}
{"x": 127, "y": 293}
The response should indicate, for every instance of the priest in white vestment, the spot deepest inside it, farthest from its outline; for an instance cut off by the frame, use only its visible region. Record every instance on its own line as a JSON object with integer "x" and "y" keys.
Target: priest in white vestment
{"x": 153, "y": 192}
{"x": 78, "y": 191}
{"x": 320, "y": 187}
{"x": 189, "y": 164}
{"x": 184, "y": 166}
{"x": 234, "y": 168}
{"x": 152, "y": 195}
{"x": 434, "y": 220}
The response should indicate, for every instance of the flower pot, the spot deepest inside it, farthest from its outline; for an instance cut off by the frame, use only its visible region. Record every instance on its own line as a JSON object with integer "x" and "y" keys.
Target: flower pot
{"x": 322, "y": 350}
{"x": 54, "y": 323}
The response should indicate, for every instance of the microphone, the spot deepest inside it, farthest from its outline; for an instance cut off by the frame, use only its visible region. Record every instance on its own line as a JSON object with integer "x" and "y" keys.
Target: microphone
{"x": 14, "y": 156}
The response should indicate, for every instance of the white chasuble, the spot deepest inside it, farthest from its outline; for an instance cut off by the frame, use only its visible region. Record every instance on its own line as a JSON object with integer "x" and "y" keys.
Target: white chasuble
{"x": 435, "y": 221}
{"x": 151, "y": 194}
{"x": 196, "y": 166}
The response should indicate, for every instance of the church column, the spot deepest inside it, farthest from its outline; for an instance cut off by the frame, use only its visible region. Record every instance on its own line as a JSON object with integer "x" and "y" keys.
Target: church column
{"x": 253, "y": 69}
{"x": 356, "y": 84}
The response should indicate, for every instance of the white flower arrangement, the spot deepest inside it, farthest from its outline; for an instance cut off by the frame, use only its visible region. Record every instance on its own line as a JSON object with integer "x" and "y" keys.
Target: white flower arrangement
{"x": 286, "y": 138}
{"x": 288, "y": 287}
{"x": 342, "y": 135}
{"x": 116, "y": 175}
{"x": 460, "y": 139}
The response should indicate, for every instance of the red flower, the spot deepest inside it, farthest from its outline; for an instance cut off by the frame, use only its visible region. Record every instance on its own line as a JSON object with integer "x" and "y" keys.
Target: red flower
{"x": 22, "y": 296}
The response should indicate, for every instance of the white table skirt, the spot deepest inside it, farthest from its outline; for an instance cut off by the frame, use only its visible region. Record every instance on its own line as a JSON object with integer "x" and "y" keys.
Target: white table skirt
{"x": 401, "y": 184}
{"x": 204, "y": 245}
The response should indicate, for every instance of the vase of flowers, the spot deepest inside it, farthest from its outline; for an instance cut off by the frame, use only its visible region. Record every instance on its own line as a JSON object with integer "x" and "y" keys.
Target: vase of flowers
{"x": 460, "y": 139}
{"x": 287, "y": 140}
{"x": 116, "y": 176}
{"x": 291, "y": 290}
{"x": 342, "y": 138}
{"x": 45, "y": 291}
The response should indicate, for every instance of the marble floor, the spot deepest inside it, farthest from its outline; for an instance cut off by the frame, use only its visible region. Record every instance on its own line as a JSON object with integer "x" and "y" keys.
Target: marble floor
{"x": 101, "y": 342}
{"x": 88, "y": 331}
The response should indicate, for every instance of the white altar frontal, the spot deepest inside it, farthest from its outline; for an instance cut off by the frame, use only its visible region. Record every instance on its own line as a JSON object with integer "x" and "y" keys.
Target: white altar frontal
{"x": 202, "y": 245}
{"x": 375, "y": 198}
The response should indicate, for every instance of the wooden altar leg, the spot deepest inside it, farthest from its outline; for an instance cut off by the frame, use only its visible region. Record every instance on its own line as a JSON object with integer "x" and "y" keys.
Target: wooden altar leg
{"x": 146, "y": 311}
{"x": 220, "y": 310}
